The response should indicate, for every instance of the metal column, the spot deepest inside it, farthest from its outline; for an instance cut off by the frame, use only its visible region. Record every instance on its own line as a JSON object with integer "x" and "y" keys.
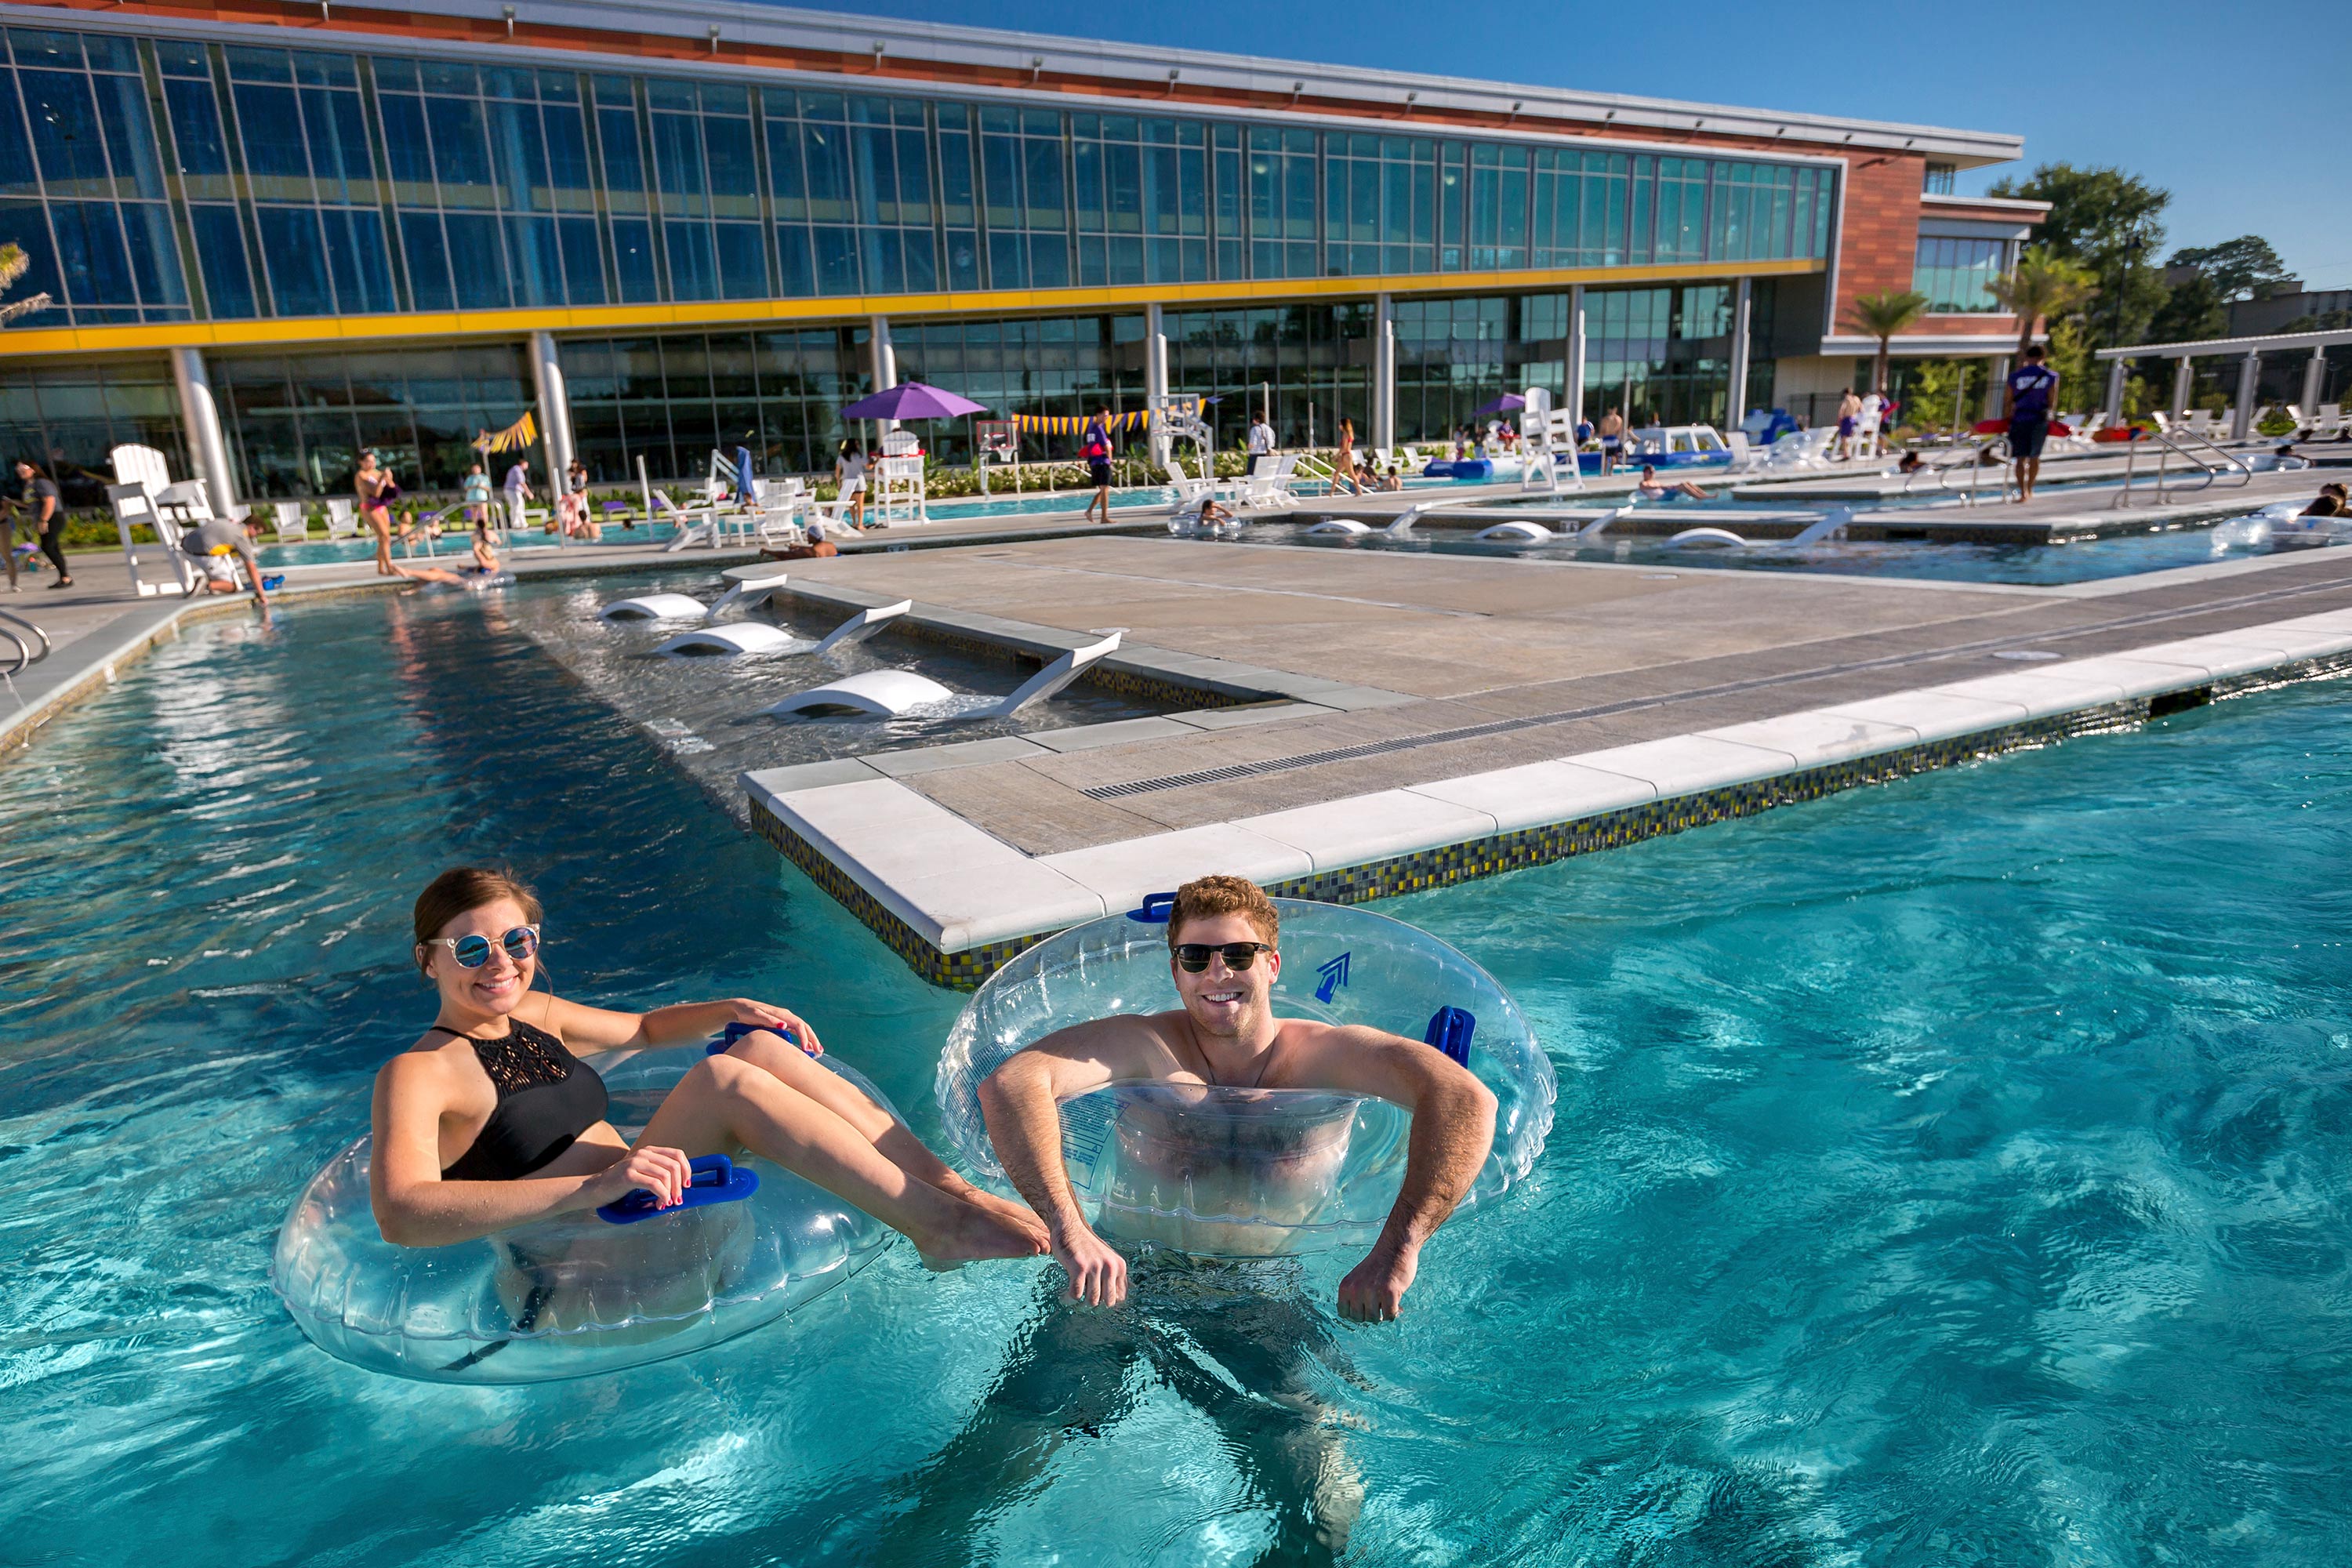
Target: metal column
{"x": 2115, "y": 390}
{"x": 1384, "y": 369}
{"x": 207, "y": 448}
{"x": 1996, "y": 401}
{"x": 1575, "y": 400}
{"x": 2184, "y": 380}
{"x": 554, "y": 408}
{"x": 1155, "y": 380}
{"x": 2250, "y": 373}
{"x": 885, "y": 359}
{"x": 2315, "y": 377}
{"x": 1735, "y": 403}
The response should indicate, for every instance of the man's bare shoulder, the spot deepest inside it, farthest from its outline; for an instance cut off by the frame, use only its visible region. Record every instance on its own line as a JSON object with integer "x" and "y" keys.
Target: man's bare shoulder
{"x": 1118, "y": 1032}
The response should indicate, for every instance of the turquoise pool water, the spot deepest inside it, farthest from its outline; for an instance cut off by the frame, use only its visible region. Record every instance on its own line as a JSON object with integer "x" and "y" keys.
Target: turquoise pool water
{"x": 1950, "y": 1171}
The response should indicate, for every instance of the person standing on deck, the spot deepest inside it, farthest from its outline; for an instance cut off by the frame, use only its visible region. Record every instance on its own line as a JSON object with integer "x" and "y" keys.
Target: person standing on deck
{"x": 2032, "y": 385}
{"x": 1094, "y": 447}
{"x": 1261, "y": 441}
{"x": 517, "y": 491}
{"x": 1613, "y": 440}
{"x": 1849, "y": 417}
{"x": 40, "y": 492}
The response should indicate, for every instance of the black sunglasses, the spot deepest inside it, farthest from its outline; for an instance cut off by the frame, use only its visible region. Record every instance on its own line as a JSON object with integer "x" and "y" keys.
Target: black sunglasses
{"x": 1192, "y": 957}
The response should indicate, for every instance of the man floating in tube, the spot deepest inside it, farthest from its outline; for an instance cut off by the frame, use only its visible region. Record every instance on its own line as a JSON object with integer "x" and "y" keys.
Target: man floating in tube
{"x": 1223, "y": 936}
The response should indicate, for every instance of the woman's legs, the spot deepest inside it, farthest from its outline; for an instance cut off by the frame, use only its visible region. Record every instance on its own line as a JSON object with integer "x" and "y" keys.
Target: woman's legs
{"x": 381, "y": 526}
{"x": 725, "y": 1102}
{"x": 52, "y": 545}
{"x": 890, "y": 1137}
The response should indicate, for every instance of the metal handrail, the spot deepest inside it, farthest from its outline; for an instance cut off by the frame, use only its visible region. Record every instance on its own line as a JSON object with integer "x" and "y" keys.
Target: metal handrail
{"x": 25, "y": 657}
{"x": 1976, "y": 472}
{"x": 2170, "y": 443}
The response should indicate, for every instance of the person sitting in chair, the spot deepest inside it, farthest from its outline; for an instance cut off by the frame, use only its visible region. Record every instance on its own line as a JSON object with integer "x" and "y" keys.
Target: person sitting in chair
{"x": 1653, "y": 488}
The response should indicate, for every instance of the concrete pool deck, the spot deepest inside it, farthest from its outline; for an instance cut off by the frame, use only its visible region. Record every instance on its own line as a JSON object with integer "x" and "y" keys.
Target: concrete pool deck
{"x": 1481, "y": 715}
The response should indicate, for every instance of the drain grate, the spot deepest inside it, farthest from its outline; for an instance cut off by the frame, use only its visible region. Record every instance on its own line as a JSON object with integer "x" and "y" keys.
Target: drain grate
{"x": 1601, "y": 711}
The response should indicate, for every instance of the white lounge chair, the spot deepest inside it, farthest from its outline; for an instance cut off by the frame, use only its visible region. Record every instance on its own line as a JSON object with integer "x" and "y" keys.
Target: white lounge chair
{"x": 747, "y": 585}
{"x": 1519, "y": 530}
{"x": 2328, "y": 424}
{"x": 1343, "y": 527}
{"x": 899, "y": 693}
{"x": 292, "y": 527}
{"x": 759, "y": 636}
{"x": 1744, "y": 457}
{"x": 341, "y": 524}
{"x": 1802, "y": 449}
{"x": 1270, "y": 481}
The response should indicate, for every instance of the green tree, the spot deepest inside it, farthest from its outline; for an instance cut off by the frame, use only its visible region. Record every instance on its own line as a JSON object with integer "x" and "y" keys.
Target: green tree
{"x": 2111, "y": 221}
{"x": 2043, "y": 286}
{"x": 13, "y": 263}
{"x": 1881, "y": 316}
{"x": 2192, "y": 310}
{"x": 2239, "y": 269}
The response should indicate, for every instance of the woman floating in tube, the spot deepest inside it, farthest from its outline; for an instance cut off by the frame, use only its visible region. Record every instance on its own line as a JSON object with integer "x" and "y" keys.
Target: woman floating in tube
{"x": 490, "y": 1120}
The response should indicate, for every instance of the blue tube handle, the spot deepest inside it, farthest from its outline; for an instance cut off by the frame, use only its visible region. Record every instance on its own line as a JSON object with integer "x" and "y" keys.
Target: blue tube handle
{"x": 1156, "y": 911}
{"x": 716, "y": 1180}
{"x": 734, "y": 1032}
{"x": 1451, "y": 1030}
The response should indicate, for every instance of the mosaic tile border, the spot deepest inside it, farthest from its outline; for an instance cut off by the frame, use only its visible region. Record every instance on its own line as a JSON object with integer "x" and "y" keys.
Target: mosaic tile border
{"x": 1523, "y": 849}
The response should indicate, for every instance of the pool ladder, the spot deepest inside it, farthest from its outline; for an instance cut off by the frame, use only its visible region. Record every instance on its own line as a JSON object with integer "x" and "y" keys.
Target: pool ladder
{"x": 2184, "y": 444}
{"x": 25, "y": 657}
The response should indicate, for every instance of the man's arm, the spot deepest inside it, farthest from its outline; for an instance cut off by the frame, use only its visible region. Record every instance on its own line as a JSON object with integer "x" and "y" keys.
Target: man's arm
{"x": 1021, "y": 1101}
{"x": 253, "y": 572}
{"x": 1453, "y": 1129}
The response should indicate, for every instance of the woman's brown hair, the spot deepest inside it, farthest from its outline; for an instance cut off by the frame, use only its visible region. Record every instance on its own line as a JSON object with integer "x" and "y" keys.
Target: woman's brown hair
{"x": 461, "y": 889}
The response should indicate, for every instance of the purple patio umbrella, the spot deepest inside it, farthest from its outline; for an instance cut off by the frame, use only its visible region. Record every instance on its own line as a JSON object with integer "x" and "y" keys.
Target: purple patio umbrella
{"x": 912, "y": 400}
{"x": 1504, "y": 404}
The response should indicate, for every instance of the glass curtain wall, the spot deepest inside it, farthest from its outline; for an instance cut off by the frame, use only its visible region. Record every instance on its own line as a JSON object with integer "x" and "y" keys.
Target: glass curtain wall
{"x": 1659, "y": 356}
{"x": 1065, "y": 366}
{"x": 1307, "y": 365}
{"x": 671, "y": 400}
{"x": 156, "y": 179}
{"x": 1953, "y": 273}
{"x": 64, "y": 419}
{"x": 296, "y": 424}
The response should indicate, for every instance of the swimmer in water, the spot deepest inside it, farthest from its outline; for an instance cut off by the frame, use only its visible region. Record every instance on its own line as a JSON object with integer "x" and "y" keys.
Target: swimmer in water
{"x": 490, "y": 1121}
{"x": 485, "y": 566}
{"x": 1223, "y": 936}
{"x": 1653, "y": 488}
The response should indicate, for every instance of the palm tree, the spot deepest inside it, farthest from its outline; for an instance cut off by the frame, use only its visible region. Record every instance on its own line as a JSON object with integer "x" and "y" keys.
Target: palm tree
{"x": 13, "y": 263}
{"x": 2043, "y": 286}
{"x": 1881, "y": 316}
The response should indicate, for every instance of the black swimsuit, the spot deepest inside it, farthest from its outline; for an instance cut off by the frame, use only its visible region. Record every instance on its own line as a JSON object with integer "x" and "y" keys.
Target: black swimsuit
{"x": 547, "y": 1098}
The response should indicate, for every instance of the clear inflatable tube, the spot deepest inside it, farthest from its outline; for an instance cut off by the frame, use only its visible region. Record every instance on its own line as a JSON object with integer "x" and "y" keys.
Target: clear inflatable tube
{"x": 576, "y": 1295}
{"x": 1234, "y": 1173}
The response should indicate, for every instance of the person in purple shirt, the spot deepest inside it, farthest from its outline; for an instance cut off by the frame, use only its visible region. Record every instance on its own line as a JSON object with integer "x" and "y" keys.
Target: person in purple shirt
{"x": 2031, "y": 387}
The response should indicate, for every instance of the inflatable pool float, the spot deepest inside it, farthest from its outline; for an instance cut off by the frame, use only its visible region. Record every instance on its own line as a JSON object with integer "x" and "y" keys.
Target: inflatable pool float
{"x": 584, "y": 1293}
{"x": 1235, "y": 1172}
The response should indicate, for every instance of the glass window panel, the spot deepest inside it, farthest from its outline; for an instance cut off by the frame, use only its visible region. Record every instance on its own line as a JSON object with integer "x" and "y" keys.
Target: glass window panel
{"x": 786, "y": 182}
{"x": 583, "y": 267}
{"x": 624, "y": 168}
{"x": 742, "y": 261}
{"x": 963, "y": 258}
{"x": 155, "y": 257}
{"x": 1044, "y": 162}
{"x": 444, "y": 76}
{"x": 633, "y": 260}
{"x": 428, "y": 261}
{"x": 614, "y": 92}
{"x": 693, "y": 274}
{"x": 664, "y": 93}
{"x": 258, "y": 64}
{"x": 460, "y": 153}
{"x": 407, "y": 149}
{"x": 511, "y": 83}
{"x": 519, "y": 156}
{"x": 793, "y": 256}
{"x": 477, "y": 262}
{"x": 558, "y": 86}
{"x": 826, "y": 150}
{"x": 220, "y": 256}
{"x": 314, "y": 69}
{"x": 956, "y": 177}
{"x": 295, "y": 254}
{"x": 567, "y": 159}
{"x": 66, "y": 137}
{"x": 537, "y": 260}
{"x": 395, "y": 75}
{"x": 734, "y": 170}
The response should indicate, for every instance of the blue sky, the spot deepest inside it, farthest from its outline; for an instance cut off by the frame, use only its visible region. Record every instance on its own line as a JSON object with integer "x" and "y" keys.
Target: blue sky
{"x": 2242, "y": 116}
